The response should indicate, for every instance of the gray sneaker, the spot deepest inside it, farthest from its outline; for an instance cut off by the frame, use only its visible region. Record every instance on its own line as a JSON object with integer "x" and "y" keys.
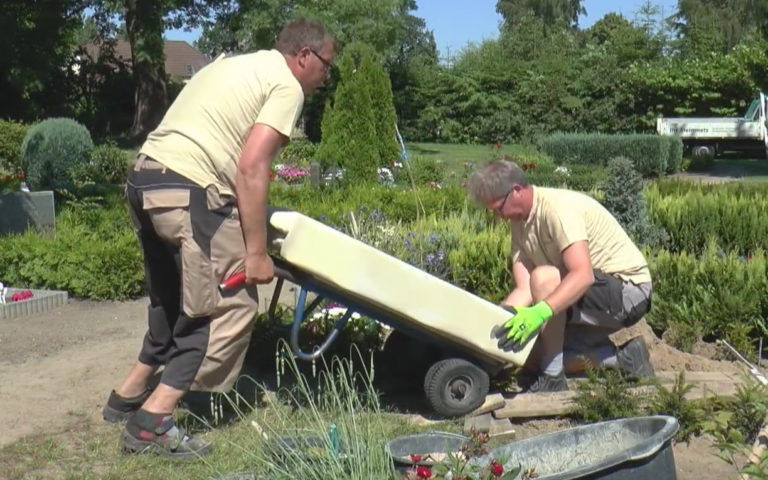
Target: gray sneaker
{"x": 635, "y": 361}
{"x": 118, "y": 409}
{"x": 163, "y": 438}
{"x": 547, "y": 383}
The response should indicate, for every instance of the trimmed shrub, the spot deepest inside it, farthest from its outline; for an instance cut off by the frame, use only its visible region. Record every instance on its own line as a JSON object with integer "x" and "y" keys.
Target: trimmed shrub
{"x": 709, "y": 296}
{"x": 735, "y": 221}
{"x": 298, "y": 152}
{"x": 649, "y": 153}
{"x": 11, "y": 137}
{"x": 754, "y": 190}
{"x": 108, "y": 165}
{"x": 52, "y": 151}
{"x": 676, "y": 148}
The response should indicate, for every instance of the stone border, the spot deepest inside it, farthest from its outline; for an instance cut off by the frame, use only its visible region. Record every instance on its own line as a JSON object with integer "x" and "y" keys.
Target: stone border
{"x": 42, "y": 301}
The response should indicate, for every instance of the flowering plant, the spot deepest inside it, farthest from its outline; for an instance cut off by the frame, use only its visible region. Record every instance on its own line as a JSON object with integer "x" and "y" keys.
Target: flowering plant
{"x": 290, "y": 173}
{"x": 457, "y": 466}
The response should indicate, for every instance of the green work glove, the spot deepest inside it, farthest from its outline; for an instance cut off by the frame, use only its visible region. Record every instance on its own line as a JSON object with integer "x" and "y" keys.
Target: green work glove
{"x": 516, "y": 332}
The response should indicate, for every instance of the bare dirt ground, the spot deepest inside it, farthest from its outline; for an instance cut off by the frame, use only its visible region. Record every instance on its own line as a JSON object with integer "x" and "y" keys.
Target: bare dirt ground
{"x": 57, "y": 368}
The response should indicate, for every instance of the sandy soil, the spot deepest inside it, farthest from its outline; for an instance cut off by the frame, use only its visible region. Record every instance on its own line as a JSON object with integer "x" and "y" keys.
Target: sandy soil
{"x": 58, "y": 367}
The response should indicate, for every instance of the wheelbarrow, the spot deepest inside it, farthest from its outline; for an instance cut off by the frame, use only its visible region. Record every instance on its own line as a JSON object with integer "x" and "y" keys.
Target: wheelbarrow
{"x": 334, "y": 266}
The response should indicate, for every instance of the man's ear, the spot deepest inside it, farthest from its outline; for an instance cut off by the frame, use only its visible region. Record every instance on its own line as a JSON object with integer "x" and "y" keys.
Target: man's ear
{"x": 302, "y": 57}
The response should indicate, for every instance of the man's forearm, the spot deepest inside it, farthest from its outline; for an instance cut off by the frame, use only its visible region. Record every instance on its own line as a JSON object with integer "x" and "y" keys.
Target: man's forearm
{"x": 252, "y": 190}
{"x": 570, "y": 290}
{"x": 519, "y": 297}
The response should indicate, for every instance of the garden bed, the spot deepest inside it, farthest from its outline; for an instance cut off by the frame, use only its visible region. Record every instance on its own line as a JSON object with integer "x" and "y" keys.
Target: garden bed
{"x": 41, "y": 301}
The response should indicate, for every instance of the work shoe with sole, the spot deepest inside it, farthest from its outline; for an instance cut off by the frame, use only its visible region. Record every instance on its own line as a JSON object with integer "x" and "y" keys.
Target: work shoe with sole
{"x": 166, "y": 438}
{"x": 635, "y": 361}
{"x": 118, "y": 409}
{"x": 548, "y": 383}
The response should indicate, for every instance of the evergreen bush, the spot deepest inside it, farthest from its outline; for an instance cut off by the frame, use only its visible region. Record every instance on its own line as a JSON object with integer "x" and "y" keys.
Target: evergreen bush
{"x": 624, "y": 198}
{"x": 358, "y": 127}
{"x": 52, "y": 151}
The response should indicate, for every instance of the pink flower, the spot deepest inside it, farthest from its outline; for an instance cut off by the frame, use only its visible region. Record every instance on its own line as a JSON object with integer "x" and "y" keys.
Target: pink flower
{"x": 424, "y": 472}
{"x": 496, "y": 469}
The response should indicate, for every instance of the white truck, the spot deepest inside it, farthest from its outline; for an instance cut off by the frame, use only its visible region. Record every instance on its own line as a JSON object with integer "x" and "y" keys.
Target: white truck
{"x": 709, "y": 137}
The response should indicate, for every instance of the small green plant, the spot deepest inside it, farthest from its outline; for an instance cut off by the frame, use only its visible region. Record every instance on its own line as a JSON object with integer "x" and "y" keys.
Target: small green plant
{"x": 673, "y": 402}
{"x": 606, "y": 395}
{"x": 735, "y": 424}
{"x": 52, "y": 150}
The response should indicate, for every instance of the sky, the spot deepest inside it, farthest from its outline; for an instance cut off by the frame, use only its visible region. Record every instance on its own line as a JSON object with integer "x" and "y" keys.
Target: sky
{"x": 458, "y": 22}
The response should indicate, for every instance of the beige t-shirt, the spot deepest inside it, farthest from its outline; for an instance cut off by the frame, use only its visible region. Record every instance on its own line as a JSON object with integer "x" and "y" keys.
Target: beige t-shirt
{"x": 204, "y": 131}
{"x": 560, "y": 218}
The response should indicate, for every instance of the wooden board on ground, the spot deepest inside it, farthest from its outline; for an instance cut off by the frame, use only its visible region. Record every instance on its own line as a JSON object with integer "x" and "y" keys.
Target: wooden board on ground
{"x": 531, "y": 405}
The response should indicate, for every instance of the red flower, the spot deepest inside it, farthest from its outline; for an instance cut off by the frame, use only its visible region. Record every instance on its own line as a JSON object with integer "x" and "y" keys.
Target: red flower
{"x": 524, "y": 167}
{"x": 271, "y": 175}
{"x": 424, "y": 472}
{"x": 415, "y": 458}
{"x": 750, "y": 258}
{"x": 496, "y": 469}
{"x": 531, "y": 166}
{"x": 499, "y": 145}
{"x": 21, "y": 176}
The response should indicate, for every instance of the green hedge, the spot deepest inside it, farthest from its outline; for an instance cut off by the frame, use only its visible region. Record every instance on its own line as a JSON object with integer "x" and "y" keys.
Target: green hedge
{"x": 652, "y": 155}
{"x": 736, "y": 221}
{"x": 95, "y": 255}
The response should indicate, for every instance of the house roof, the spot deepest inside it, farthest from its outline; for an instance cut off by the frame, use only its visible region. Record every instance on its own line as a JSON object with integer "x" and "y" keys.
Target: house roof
{"x": 182, "y": 60}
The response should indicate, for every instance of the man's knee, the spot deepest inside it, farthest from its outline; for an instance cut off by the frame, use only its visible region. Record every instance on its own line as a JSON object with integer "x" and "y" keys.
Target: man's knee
{"x": 544, "y": 281}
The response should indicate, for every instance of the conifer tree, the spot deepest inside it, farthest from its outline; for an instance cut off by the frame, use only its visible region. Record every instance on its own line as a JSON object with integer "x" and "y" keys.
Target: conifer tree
{"x": 359, "y": 123}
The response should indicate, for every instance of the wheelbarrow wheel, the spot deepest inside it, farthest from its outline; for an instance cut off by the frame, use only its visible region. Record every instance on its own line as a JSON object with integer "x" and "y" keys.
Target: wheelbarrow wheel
{"x": 455, "y": 387}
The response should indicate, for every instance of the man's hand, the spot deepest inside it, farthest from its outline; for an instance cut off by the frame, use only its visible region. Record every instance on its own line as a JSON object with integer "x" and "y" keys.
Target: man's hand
{"x": 258, "y": 268}
{"x": 519, "y": 329}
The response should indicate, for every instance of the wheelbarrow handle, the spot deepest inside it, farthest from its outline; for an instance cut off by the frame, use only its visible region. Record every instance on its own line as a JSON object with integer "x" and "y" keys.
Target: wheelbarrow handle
{"x": 238, "y": 279}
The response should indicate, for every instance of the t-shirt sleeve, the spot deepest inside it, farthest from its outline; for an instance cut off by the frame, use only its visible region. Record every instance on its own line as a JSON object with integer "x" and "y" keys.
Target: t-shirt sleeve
{"x": 567, "y": 225}
{"x": 282, "y": 108}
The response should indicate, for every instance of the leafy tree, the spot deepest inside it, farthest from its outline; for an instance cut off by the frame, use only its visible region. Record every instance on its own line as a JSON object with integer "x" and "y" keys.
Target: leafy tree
{"x": 358, "y": 127}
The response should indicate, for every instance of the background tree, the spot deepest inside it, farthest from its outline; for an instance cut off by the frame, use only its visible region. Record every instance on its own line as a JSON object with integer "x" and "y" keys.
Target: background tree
{"x": 552, "y": 13}
{"x": 145, "y": 24}
{"x": 37, "y": 42}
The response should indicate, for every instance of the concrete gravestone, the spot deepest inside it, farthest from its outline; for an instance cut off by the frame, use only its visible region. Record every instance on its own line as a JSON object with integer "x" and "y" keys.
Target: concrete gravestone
{"x": 21, "y": 210}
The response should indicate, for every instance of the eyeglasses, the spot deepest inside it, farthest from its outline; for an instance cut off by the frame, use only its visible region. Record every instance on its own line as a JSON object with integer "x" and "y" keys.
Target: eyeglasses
{"x": 326, "y": 64}
{"x": 503, "y": 202}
